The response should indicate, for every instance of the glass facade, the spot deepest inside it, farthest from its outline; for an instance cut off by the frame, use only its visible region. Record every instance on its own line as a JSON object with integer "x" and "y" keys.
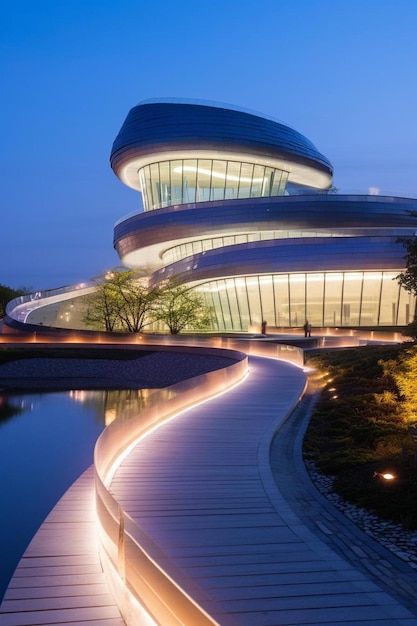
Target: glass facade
{"x": 185, "y": 181}
{"x": 182, "y": 251}
{"x": 327, "y": 299}
{"x": 273, "y": 240}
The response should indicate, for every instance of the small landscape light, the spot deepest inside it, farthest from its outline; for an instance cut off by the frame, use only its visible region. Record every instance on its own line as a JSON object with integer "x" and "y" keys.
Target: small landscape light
{"x": 388, "y": 476}
{"x": 385, "y": 475}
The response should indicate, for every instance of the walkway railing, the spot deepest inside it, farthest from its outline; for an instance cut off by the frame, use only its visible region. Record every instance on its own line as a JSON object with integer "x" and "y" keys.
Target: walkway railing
{"x": 144, "y": 570}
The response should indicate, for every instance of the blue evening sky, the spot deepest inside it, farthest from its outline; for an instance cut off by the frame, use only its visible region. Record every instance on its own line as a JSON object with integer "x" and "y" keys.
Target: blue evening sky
{"x": 342, "y": 72}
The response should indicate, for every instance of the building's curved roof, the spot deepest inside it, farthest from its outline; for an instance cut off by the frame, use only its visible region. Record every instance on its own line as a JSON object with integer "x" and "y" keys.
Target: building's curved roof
{"x": 155, "y": 129}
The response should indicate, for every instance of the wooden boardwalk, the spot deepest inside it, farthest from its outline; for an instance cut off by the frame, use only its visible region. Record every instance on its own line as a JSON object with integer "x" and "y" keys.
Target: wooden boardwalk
{"x": 202, "y": 489}
{"x": 59, "y": 579}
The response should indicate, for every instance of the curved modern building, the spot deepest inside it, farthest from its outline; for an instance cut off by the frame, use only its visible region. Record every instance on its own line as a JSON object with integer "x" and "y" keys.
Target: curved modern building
{"x": 241, "y": 208}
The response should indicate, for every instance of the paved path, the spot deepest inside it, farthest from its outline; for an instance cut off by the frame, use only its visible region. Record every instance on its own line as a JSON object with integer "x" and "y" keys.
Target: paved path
{"x": 203, "y": 490}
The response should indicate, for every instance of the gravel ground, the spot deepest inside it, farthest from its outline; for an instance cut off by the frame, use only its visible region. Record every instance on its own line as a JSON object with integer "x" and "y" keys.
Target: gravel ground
{"x": 392, "y": 536}
{"x": 158, "y": 369}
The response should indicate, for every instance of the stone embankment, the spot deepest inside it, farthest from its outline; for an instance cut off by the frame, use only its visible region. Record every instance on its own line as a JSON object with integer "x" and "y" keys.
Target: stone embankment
{"x": 401, "y": 542}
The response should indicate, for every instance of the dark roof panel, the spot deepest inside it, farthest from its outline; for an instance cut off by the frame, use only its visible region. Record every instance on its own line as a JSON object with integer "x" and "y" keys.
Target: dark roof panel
{"x": 153, "y": 127}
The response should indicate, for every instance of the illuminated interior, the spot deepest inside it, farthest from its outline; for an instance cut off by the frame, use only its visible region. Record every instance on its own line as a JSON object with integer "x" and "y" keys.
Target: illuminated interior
{"x": 326, "y": 299}
{"x": 185, "y": 181}
{"x": 182, "y": 251}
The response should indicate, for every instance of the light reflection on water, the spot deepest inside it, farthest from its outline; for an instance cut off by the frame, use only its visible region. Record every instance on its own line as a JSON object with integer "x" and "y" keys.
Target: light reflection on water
{"x": 46, "y": 443}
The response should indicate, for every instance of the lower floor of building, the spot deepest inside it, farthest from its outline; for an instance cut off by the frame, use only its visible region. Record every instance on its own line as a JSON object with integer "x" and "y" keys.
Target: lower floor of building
{"x": 325, "y": 299}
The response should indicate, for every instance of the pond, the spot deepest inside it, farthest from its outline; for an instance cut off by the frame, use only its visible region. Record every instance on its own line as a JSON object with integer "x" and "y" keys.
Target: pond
{"x": 46, "y": 442}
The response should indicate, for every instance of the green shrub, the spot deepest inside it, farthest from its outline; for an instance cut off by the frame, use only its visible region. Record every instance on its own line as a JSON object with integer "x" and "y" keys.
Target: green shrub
{"x": 359, "y": 426}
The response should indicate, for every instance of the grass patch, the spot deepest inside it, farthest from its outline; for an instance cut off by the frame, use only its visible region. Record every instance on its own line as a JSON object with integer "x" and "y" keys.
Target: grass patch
{"x": 360, "y": 428}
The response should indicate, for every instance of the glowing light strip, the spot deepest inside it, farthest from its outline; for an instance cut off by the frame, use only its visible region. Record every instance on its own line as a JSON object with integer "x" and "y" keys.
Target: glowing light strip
{"x": 201, "y": 170}
{"x": 174, "y": 584}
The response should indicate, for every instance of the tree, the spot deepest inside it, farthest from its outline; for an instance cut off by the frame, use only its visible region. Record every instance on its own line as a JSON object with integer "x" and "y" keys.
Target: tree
{"x": 136, "y": 301}
{"x": 121, "y": 301}
{"x": 408, "y": 278}
{"x": 179, "y": 307}
{"x": 103, "y": 307}
{"x": 7, "y": 294}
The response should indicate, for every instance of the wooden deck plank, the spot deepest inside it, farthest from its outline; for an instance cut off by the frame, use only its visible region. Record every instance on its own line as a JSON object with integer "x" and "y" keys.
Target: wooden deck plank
{"x": 199, "y": 488}
{"x": 59, "y": 579}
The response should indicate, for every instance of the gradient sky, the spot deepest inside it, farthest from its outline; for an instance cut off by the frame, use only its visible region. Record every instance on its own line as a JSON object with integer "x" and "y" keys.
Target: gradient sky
{"x": 342, "y": 72}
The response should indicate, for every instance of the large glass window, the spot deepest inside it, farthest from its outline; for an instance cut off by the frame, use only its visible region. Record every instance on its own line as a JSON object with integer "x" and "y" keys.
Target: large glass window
{"x": 203, "y": 180}
{"x": 258, "y": 181}
{"x": 145, "y": 177}
{"x": 165, "y": 184}
{"x": 333, "y": 286}
{"x": 155, "y": 186}
{"x": 268, "y": 182}
{"x": 297, "y": 299}
{"x": 245, "y": 180}
{"x": 225, "y": 305}
{"x": 255, "y": 311}
{"x": 352, "y": 292}
{"x": 390, "y": 293}
{"x": 347, "y": 299}
{"x": 232, "y": 180}
{"x": 282, "y": 300}
{"x": 371, "y": 294}
{"x": 267, "y": 299}
{"x": 276, "y": 178}
{"x": 218, "y": 311}
{"x": 218, "y": 180}
{"x": 233, "y": 304}
{"x": 200, "y": 180}
{"x": 242, "y": 299}
{"x": 315, "y": 295}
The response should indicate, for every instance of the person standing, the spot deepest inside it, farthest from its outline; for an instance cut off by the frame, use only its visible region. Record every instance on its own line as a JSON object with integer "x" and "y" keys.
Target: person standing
{"x": 307, "y": 329}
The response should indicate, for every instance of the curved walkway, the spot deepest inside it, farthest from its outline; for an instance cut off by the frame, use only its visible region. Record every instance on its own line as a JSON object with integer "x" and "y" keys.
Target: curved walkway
{"x": 254, "y": 545}
{"x": 202, "y": 489}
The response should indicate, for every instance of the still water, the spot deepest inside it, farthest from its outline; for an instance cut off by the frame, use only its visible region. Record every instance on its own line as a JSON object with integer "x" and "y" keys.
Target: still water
{"x": 46, "y": 443}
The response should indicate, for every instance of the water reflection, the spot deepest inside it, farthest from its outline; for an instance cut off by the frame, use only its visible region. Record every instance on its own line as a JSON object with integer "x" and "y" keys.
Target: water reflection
{"x": 46, "y": 442}
{"x": 9, "y": 409}
{"x": 114, "y": 403}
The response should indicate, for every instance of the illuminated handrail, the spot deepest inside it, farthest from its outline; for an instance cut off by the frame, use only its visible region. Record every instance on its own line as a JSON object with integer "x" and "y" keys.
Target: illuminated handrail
{"x": 145, "y": 571}
{"x": 23, "y": 305}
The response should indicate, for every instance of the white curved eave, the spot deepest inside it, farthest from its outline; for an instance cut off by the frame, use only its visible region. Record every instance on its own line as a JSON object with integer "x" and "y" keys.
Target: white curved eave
{"x": 303, "y": 174}
{"x": 22, "y": 311}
